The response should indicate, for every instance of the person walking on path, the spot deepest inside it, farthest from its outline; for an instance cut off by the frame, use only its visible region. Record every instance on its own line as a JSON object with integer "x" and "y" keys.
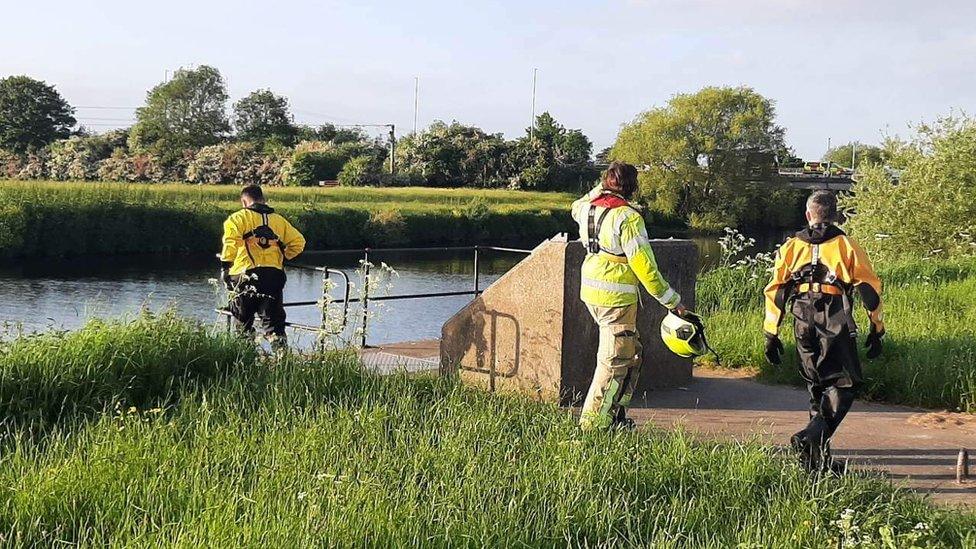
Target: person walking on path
{"x": 814, "y": 276}
{"x": 256, "y": 243}
{"x": 619, "y": 259}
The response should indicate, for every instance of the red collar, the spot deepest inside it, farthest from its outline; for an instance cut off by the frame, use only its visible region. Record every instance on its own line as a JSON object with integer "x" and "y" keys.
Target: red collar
{"x": 608, "y": 200}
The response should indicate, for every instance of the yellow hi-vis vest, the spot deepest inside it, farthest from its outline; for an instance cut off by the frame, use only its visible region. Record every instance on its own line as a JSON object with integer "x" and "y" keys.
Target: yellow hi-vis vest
{"x": 611, "y": 276}
{"x": 246, "y": 250}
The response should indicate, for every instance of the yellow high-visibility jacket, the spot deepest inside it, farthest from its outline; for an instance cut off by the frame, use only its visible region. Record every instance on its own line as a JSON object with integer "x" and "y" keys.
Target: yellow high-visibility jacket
{"x": 610, "y": 277}
{"x": 845, "y": 266}
{"x": 246, "y": 250}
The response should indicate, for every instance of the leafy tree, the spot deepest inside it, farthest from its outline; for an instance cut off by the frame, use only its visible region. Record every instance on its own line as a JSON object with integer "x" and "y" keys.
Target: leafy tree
{"x": 263, "y": 117}
{"x": 187, "y": 112}
{"x": 32, "y": 114}
{"x": 931, "y": 209}
{"x": 694, "y": 153}
{"x": 455, "y": 155}
{"x": 330, "y": 133}
{"x": 550, "y": 157}
{"x": 862, "y": 154}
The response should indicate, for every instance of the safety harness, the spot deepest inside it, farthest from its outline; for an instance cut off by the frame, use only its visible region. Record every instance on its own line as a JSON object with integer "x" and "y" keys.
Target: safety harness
{"x": 593, "y": 226}
{"x": 266, "y": 237}
{"x": 814, "y": 279}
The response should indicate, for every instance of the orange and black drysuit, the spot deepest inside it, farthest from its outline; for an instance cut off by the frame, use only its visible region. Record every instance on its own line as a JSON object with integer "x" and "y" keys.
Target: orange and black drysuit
{"x": 815, "y": 276}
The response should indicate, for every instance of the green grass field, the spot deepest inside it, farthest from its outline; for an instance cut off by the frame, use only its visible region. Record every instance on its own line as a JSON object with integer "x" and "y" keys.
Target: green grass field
{"x": 156, "y": 433}
{"x": 929, "y": 356}
{"x": 63, "y": 218}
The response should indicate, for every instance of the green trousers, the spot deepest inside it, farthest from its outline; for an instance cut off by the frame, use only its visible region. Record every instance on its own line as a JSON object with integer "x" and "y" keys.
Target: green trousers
{"x": 618, "y": 364}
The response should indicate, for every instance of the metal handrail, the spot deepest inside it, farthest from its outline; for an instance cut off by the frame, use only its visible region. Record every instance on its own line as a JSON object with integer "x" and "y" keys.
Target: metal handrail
{"x": 366, "y": 298}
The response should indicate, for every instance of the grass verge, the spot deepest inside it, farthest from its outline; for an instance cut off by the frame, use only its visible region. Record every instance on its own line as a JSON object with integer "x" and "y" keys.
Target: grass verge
{"x": 63, "y": 218}
{"x": 929, "y": 356}
{"x": 228, "y": 450}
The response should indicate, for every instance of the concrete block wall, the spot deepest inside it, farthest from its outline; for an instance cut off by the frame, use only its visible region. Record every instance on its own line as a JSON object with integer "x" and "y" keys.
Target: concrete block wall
{"x": 530, "y": 333}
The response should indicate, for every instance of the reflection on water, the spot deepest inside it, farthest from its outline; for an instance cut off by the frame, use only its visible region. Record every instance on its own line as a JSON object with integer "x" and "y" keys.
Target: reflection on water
{"x": 63, "y": 294}
{"x": 41, "y": 295}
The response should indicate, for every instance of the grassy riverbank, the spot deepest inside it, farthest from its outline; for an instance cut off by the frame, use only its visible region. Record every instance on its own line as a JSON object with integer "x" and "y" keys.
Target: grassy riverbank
{"x": 59, "y": 218}
{"x": 155, "y": 433}
{"x": 930, "y": 311}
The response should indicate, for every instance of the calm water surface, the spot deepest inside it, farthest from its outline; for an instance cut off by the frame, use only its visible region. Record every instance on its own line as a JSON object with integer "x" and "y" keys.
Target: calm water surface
{"x": 37, "y": 295}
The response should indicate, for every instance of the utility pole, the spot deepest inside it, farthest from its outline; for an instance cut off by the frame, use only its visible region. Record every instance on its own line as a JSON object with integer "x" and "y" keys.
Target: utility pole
{"x": 416, "y": 102}
{"x": 535, "y": 73}
{"x": 392, "y": 149}
{"x": 853, "y": 153}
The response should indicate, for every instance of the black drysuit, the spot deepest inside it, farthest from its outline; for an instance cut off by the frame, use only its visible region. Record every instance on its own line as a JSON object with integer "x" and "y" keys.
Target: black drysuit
{"x": 815, "y": 275}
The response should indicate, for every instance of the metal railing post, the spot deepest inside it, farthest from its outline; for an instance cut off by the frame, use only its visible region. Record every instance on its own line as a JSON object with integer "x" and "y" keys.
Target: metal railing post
{"x": 476, "y": 271}
{"x": 365, "y": 295}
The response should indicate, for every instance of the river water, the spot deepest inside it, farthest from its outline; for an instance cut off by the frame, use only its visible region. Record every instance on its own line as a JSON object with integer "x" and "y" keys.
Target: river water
{"x": 39, "y": 295}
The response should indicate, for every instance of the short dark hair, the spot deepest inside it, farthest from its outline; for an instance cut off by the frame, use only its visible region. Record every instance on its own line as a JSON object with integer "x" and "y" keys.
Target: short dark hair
{"x": 621, "y": 178}
{"x": 822, "y": 205}
{"x": 253, "y": 192}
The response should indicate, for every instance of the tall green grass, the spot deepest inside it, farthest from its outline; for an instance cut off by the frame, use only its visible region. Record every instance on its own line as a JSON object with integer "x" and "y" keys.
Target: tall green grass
{"x": 312, "y": 451}
{"x": 58, "y": 218}
{"x": 929, "y": 356}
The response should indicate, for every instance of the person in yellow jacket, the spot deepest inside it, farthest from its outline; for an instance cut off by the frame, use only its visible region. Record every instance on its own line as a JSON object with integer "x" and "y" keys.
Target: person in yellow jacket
{"x": 815, "y": 276}
{"x": 618, "y": 261}
{"x": 256, "y": 243}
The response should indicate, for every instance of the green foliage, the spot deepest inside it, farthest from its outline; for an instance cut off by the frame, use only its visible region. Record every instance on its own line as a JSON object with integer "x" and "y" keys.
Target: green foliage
{"x": 314, "y": 161}
{"x": 862, "y": 154}
{"x": 332, "y": 134}
{"x": 696, "y": 154}
{"x": 359, "y": 171}
{"x": 187, "y": 112}
{"x": 124, "y": 167}
{"x": 930, "y": 351}
{"x": 387, "y": 228}
{"x": 455, "y": 155}
{"x": 551, "y": 157}
{"x": 77, "y": 158}
{"x": 56, "y": 376}
{"x": 263, "y": 117}
{"x": 54, "y": 219}
{"x": 239, "y": 163}
{"x": 32, "y": 114}
{"x": 931, "y": 209}
{"x": 187, "y": 440}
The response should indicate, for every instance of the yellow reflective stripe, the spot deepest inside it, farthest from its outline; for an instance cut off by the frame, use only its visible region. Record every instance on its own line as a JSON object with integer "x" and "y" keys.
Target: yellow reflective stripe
{"x": 610, "y": 286}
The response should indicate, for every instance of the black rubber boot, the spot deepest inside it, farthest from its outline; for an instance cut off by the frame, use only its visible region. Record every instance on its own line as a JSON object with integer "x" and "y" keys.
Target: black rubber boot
{"x": 621, "y": 421}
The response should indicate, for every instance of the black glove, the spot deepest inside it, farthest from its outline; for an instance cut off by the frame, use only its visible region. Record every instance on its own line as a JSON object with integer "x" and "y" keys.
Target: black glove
{"x": 225, "y": 275}
{"x": 774, "y": 349}
{"x": 873, "y": 342}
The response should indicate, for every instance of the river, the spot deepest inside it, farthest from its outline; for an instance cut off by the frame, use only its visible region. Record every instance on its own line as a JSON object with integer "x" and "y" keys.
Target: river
{"x": 40, "y": 295}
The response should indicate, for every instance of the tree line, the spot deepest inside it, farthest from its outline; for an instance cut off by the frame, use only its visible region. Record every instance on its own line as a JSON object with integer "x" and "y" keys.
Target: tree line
{"x": 694, "y": 153}
{"x": 183, "y": 132}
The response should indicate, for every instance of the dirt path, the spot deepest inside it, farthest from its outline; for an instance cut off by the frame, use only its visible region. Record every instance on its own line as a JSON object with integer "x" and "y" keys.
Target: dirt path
{"x": 911, "y": 446}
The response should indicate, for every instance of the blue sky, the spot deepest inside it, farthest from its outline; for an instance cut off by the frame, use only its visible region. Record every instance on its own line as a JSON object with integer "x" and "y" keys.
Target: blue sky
{"x": 843, "y": 69}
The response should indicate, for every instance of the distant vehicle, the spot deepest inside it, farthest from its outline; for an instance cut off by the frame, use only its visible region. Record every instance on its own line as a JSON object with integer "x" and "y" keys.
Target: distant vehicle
{"x": 830, "y": 169}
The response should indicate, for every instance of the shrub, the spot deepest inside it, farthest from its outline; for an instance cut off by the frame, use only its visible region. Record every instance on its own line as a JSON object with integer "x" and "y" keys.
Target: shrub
{"x": 122, "y": 166}
{"x": 314, "y": 161}
{"x": 931, "y": 209}
{"x": 386, "y": 228}
{"x": 10, "y": 164}
{"x": 77, "y": 158}
{"x": 359, "y": 171}
{"x": 35, "y": 167}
